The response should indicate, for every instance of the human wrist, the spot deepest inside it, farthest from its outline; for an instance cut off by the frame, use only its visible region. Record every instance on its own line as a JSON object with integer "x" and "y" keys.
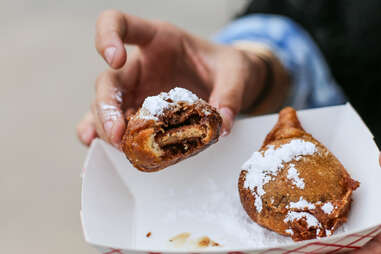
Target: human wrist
{"x": 271, "y": 76}
{"x": 258, "y": 83}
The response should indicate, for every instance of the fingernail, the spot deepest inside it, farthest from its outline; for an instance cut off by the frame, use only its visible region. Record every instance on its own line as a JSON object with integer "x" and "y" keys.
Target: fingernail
{"x": 228, "y": 118}
{"x": 108, "y": 129}
{"x": 109, "y": 54}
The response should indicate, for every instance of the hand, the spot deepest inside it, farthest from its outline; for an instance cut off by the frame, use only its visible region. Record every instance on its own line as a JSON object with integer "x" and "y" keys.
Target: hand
{"x": 166, "y": 57}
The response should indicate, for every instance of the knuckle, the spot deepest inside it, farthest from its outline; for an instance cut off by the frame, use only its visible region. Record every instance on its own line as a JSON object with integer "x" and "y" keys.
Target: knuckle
{"x": 169, "y": 28}
{"x": 108, "y": 78}
{"x": 162, "y": 23}
{"x": 108, "y": 13}
{"x": 94, "y": 109}
{"x": 100, "y": 80}
{"x": 97, "y": 113}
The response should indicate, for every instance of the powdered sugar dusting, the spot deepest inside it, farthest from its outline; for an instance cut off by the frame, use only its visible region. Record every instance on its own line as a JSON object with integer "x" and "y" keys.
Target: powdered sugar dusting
{"x": 263, "y": 166}
{"x": 258, "y": 202}
{"x": 224, "y": 211}
{"x": 293, "y": 175}
{"x": 118, "y": 95}
{"x": 301, "y": 204}
{"x": 109, "y": 112}
{"x": 310, "y": 219}
{"x": 206, "y": 112}
{"x": 327, "y": 208}
{"x": 153, "y": 106}
{"x": 179, "y": 94}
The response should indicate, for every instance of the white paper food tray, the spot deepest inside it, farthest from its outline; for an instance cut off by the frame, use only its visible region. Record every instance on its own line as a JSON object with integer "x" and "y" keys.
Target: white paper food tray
{"x": 120, "y": 204}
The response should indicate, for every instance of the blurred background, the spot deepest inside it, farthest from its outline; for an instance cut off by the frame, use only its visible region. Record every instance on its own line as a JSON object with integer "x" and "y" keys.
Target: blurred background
{"x": 48, "y": 65}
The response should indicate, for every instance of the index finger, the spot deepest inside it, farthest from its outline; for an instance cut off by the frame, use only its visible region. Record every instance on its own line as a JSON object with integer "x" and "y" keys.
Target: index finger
{"x": 108, "y": 116}
{"x": 114, "y": 29}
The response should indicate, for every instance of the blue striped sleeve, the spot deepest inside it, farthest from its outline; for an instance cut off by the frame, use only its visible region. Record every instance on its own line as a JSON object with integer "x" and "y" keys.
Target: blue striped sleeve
{"x": 312, "y": 82}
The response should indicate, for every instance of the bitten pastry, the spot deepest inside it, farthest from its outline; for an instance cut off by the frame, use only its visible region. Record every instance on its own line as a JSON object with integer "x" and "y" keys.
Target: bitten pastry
{"x": 293, "y": 185}
{"x": 168, "y": 128}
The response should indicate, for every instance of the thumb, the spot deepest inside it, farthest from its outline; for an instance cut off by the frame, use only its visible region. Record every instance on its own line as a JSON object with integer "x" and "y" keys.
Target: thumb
{"x": 226, "y": 96}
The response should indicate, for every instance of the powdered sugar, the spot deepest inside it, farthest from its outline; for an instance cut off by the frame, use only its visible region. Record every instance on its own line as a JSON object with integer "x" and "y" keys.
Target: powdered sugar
{"x": 118, "y": 95}
{"x": 179, "y": 94}
{"x": 301, "y": 204}
{"x": 153, "y": 106}
{"x": 293, "y": 175}
{"x": 289, "y": 231}
{"x": 327, "y": 208}
{"x": 263, "y": 166}
{"x": 258, "y": 202}
{"x": 310, "y": 219}
{"x": 206, "y": 112}
{"x": 223, "y": 210}
{"x": 109, "y": 112}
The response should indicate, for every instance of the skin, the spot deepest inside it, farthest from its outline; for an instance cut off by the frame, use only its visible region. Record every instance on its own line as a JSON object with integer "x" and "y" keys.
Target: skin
{"x": 166, "y": 56}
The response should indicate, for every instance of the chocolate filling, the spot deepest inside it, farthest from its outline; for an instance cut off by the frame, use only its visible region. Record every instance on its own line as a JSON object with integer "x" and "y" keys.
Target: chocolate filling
{"x": 183, "y": 133}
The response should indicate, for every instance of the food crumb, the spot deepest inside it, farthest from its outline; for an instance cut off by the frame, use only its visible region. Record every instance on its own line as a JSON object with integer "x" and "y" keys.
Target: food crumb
{"x": 183, "y": 239}
{"x": 215, "y": 244}
{"x": 148, "y": 234}
{"x": 205, "y": 241}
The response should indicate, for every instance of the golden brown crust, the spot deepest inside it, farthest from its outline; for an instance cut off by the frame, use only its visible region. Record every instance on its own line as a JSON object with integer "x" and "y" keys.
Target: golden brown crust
{"x": 325, "y": 179}
{"x": 180, "y": 132}
{"x": 288, "y": 126}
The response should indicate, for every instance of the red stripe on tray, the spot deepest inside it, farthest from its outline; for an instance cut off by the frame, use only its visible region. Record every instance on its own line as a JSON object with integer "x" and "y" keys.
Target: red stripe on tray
{"x": 114, "y": 251}
{"x": 299, "y": 249}
{"x": 357, "y": 240}
{"x": 336, "y": 244}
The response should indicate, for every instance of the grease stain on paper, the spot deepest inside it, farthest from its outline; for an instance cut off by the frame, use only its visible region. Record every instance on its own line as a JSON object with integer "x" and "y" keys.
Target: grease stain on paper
{"x": 184, "y": 240}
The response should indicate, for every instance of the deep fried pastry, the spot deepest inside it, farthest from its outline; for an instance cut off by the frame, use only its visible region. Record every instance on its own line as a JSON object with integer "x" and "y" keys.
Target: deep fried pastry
{"x": 294, "y": 185}
{"x": 168, "y": 128}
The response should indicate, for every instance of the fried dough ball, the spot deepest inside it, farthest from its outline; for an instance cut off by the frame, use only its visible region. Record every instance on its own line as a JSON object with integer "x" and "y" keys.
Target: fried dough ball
{"x": 294, "y": 185}
{"x": 168, "y": 128}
